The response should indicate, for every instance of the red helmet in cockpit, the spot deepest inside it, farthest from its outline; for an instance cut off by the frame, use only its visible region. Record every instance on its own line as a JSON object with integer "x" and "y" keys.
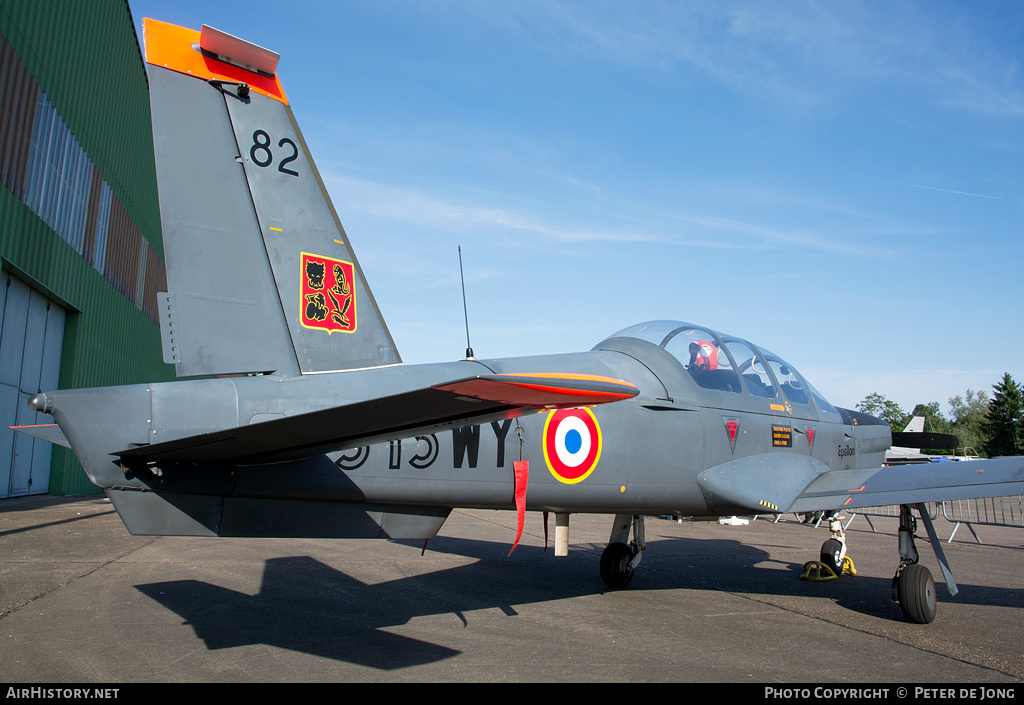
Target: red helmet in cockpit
{"x": 703, "y": 355}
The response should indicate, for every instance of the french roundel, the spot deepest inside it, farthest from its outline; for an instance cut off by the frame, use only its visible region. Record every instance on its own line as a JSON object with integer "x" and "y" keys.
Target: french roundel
{"x": 572, "y": 444}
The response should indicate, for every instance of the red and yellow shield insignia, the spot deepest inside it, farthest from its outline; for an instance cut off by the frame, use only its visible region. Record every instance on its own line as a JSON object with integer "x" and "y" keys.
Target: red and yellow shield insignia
{"x": 328, "y": 294}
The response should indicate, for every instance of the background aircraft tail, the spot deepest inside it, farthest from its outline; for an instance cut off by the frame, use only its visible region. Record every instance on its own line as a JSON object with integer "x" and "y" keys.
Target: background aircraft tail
{"x": 907, "y": 444}
{"x": 261, "y": 275}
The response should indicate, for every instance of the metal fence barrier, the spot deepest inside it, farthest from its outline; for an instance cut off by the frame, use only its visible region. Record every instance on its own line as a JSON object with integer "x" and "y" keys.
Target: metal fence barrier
{"x": 888, "y": 510}
{"x": 991, "y": 511}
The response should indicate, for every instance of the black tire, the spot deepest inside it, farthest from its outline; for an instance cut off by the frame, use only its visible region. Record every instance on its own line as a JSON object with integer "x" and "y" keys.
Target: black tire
{"x": 832, "y": 555}
{"x": 915, "y": 589}
{"x": 614, "y": 565}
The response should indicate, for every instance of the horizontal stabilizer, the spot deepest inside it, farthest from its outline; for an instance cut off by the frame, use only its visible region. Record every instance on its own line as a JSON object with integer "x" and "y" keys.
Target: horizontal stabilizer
{"x": 449, "y": 404}
{"x": 49, "y": 432}
{"x": 544, "y": 390}
{"x": 910, "y": 484}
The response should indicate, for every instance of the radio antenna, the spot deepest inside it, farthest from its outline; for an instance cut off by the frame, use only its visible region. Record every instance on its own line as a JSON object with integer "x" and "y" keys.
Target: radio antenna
{"x": 465, "y": 308}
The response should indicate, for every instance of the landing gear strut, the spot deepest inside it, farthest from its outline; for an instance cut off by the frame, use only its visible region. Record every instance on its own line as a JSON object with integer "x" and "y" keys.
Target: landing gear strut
{"x": 912, "y": 586}
{"x": 619, "y": 560}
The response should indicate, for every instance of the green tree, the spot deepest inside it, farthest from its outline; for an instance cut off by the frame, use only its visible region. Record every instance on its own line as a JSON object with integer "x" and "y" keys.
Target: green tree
{"x": 934, "y": 422}
{"x": 1003, "y": 426}
{"x": 968, "y": 417}
{"x": 889, "y": 411}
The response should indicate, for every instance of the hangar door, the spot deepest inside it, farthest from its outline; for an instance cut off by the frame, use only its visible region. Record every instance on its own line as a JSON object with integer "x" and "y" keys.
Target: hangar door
{"x": 31, "y": 335}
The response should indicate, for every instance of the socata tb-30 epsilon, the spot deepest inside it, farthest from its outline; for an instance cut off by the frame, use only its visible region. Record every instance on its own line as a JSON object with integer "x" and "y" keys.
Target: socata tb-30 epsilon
{"x": 307, "y": 424}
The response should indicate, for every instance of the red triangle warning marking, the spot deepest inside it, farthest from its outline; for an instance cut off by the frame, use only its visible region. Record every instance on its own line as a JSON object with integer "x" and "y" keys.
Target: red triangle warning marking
{"x": 732, "y": 427}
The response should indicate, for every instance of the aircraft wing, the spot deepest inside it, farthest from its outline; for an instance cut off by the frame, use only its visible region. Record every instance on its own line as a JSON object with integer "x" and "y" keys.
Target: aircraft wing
{"x": 453, "y": 403}
{"x": 791, "y": 482}
{"x": 909, "y": 484}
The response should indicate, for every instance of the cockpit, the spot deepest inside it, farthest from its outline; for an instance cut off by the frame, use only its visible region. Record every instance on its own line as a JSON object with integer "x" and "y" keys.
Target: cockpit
{"x": 729, "y": 364}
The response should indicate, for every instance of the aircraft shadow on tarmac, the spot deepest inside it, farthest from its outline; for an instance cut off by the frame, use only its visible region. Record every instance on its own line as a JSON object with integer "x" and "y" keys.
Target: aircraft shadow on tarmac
{"x": 734, "y": 566}
{"x": 307, "y": 606}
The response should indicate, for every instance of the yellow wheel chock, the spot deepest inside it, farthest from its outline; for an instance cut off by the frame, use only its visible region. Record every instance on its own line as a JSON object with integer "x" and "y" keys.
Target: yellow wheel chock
{"x": 816, "y": 571}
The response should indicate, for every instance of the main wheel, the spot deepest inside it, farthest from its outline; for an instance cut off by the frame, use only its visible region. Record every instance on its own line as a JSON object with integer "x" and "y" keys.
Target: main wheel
{"x": 832, "y": 555}
{"x": 915, "y": 589}
{"x": 615, "y": 570}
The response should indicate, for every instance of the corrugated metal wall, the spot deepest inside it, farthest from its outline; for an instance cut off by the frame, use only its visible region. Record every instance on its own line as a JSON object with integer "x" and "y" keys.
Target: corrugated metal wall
{"x": 86, "y": 58}
{"x": 90, "y": 238}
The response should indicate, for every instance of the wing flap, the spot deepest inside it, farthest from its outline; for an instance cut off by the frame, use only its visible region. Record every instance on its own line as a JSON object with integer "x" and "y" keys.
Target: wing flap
{"x": 910, "y": 484}
{"x": 476, "y": 399}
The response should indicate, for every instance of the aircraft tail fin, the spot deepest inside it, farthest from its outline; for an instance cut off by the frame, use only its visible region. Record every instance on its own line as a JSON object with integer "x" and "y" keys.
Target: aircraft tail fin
{"x": 916, "y": 424}
{"x": 913, "y": 438}
{"x": 261, "y": 275}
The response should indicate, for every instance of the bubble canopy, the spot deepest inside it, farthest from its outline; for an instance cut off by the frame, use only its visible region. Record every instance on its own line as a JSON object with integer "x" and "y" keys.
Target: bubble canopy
{"x": 729, "y": 364}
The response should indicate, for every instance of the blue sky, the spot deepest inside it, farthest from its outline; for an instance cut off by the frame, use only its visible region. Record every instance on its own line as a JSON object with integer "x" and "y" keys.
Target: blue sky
{"x": 841, "y": 183}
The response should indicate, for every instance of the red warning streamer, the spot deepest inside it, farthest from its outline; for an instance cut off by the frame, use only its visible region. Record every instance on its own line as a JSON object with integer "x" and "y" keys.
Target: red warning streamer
{"x": 522, "y": 476}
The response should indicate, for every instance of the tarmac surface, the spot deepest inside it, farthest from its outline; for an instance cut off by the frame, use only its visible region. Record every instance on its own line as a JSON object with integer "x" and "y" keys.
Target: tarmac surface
{"x": 82, "y": 601}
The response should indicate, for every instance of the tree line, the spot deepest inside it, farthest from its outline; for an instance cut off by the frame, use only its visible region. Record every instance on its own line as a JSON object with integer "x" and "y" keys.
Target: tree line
{"x": 991, "y": 425}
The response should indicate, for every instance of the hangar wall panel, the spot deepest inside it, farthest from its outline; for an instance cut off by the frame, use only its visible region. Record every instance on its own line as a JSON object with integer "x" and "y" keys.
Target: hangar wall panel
{"x": 79, "y": 216}
{"x": 31, "y": 337}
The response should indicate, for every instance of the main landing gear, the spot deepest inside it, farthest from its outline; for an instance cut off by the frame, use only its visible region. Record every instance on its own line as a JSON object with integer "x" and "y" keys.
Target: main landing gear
{"x": 913, "y": 586}
{"x": 619, "y": 559}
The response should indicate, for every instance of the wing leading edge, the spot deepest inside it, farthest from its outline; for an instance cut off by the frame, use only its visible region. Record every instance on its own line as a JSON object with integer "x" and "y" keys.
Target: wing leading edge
{"x": 458, "y": 402}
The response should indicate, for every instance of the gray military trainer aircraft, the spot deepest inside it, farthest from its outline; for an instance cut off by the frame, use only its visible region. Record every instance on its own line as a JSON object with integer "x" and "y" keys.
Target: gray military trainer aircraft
{"x": 303, "y": 421}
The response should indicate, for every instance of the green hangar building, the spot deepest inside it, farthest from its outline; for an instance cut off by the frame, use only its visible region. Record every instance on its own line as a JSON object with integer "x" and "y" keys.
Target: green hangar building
{"x": 81, "y": 257}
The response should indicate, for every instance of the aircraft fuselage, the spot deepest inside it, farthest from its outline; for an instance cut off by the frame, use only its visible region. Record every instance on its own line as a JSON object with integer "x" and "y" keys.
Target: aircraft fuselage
{"x": 641, "y": 455}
